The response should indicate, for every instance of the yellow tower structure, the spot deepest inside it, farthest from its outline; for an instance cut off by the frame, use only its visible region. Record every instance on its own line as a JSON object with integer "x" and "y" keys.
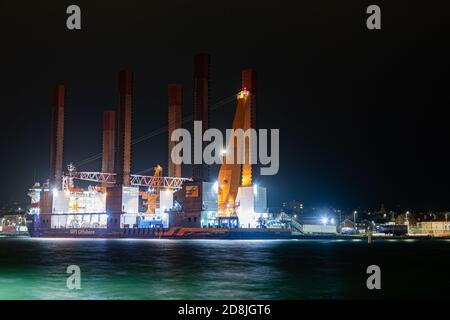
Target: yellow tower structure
{"x": 151, "y": 196}
{"x": 249, "y": 84}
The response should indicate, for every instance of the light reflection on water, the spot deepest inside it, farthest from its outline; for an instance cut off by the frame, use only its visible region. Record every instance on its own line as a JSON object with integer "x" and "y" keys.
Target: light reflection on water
{"x": 219, "y": 269}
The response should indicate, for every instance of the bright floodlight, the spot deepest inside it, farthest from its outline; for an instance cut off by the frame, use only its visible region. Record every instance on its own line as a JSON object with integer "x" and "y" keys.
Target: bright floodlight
{"x": 216, "y": 187}
{"x": 255, "y": 189}
{"x": 243, "y": 93}
{"x": 55, "y": 192}
{"x": 324, "y": 220}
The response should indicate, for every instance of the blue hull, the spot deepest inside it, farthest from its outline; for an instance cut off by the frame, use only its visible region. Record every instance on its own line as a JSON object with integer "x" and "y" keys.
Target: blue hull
{"x": 232, "y": 234}
{"x": 37, "y": 231}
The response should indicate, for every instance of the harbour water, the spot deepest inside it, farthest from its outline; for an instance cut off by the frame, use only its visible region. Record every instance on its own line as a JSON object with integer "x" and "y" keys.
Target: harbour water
{"x": 223, "y": 269}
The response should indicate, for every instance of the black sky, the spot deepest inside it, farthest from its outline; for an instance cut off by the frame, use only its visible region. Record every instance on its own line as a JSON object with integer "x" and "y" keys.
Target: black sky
{"x": 363, "y": 115}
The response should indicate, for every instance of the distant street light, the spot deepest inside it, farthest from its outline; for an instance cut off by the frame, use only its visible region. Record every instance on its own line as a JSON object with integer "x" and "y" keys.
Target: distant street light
{"x": 354, "y": 219}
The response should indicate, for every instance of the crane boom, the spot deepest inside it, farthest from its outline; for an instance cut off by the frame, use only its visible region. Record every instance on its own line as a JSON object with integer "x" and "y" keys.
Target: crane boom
{"x": 231, "y": 172}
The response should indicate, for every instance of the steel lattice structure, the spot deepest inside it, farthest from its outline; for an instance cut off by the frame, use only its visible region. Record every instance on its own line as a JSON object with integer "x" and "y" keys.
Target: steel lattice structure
{"x": 158, "y": 182}
{"x": 135, "y": 180}
{"x": 108, "y": 178}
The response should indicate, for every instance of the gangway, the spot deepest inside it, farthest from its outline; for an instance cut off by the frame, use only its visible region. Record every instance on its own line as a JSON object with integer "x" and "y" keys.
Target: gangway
{"x": 296, "y": 226}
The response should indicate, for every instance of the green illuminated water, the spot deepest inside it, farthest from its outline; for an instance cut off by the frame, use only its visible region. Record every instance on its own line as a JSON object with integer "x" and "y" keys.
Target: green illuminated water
{"x": 205, "y": 269}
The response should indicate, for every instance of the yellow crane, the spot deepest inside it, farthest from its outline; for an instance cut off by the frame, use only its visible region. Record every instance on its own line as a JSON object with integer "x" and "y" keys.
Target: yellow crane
{"x": 232, "y": 175}
{"x": 151, "y": 196}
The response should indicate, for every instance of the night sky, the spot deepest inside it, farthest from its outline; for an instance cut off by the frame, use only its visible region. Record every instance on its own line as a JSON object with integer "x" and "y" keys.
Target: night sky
{"x": 363, "y": 115}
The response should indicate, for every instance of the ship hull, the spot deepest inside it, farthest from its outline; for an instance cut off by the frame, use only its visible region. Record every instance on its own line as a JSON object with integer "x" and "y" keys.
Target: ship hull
{"x": 36, "y": 231}
{"x": 170, "y": 233}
